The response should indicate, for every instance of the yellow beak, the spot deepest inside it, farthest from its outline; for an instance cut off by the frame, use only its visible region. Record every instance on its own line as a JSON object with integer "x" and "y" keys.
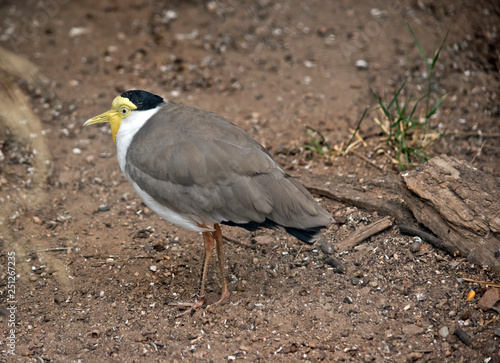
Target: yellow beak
{"x": 112, "y": 117}
{"x": 102, "y": 118}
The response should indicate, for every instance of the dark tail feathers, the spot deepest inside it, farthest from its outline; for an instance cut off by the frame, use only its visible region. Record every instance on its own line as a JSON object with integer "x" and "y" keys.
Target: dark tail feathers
{"x": 306, "y": 235}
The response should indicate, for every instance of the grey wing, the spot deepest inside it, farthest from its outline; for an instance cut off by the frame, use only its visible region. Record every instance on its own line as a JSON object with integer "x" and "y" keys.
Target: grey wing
{"x": 213, "y": 171}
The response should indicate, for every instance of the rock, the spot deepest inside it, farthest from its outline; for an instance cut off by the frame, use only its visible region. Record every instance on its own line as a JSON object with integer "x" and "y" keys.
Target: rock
{"x": 153, "y": 268}
{"x": 414, "y": 356}
{"x": 412, "y": 330}
{"x": 68, "y": 176}
{"x": 361, "y": 64}
{"x": 327, "y": 247}
{"x": 444, "y": 332}
{"x": 348, "y": 300}
{"x": 241, "y": 286}
{"x": 497, "y": 332}
{"x": 338, "y": 265}
{"x": 377, "y": 13}
{"x": 103, "y": 208}
{"x": 465, "y": 315}
{"x": 77, "y": 31}
{"x": 355, "y": 281}
{"x": 415, "y": 247}
{"x": 489, "y": 299}
{"x": 319, "y": 355}
{"x": 264, "y": 240}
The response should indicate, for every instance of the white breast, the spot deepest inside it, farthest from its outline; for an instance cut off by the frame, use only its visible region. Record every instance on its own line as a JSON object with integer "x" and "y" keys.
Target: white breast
{"x": 129, "y": 127}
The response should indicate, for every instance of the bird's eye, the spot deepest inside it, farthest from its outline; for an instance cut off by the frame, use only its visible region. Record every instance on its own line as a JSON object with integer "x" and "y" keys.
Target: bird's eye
{"x": 124, "y": 110}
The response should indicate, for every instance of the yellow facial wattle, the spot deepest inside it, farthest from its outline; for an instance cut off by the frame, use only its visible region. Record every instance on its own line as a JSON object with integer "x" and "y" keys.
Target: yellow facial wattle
{"x": 120, "y": 108}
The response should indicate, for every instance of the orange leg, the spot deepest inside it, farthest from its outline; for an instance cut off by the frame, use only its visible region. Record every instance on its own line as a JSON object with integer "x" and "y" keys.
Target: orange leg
{"x": 220, "y": 254}
{"x": 209, "y": 243}
{"x": 200, "y": 298}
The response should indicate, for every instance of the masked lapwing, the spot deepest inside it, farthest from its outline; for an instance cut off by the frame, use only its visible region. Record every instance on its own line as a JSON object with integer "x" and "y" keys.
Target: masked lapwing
{"x": 197, "y": 170}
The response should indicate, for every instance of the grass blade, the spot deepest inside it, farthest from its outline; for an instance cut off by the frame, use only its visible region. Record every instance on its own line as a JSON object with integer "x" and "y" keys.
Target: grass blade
{"x": 417, "y": 43}
{"x": 356, "y": 129}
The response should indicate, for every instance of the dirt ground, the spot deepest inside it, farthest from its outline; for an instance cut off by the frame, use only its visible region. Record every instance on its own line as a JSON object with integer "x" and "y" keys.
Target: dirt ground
{"x": 96, "y": 269}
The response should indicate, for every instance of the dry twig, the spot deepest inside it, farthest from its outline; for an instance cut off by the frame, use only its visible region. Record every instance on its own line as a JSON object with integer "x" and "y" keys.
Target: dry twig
{"x": 364, "y": 233}
{"x": 485, "y": 283}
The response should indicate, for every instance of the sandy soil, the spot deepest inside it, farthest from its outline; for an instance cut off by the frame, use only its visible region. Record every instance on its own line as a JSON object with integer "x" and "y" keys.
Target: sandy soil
{"x": 96, "y": 269}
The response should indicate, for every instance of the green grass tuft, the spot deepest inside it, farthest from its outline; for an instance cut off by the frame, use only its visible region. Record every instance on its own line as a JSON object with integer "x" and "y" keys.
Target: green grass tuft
{"x": 404, "y": 127}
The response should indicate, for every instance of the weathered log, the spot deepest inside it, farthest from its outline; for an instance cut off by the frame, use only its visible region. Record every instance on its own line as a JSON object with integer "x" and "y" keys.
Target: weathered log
{"x": 460, "y": 204}
{"x": 383, "y": 204}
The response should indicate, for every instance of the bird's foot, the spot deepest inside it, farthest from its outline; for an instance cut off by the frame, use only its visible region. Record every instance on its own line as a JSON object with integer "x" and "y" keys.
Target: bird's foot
{"x": 190, "y": 307}
{"x": 223, "y": 297}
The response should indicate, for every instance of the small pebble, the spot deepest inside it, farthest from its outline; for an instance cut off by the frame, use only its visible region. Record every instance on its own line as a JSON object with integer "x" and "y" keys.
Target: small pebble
{"x": 77, "y": 31}
{"x": 415, "y": 247}
{"x": 444, "y": 332}
{"x": 497, "y": 332}
{"x": 171, "y": 15}
{"x": 465, "y": 315}
{"x": 153, "y": 268}
{"x": 319, "y": 355}
{"x": 355, "y": 281}
{"x": 101, "y": 294}
{"x": 413, "y": 356}
{"x": 412, "y": 330}
{"x": 377, "y": 13}
{"x": 361, "y": 64}
{"x": 77, "y": 151}
{"x": 309, "y": 64}
{"x": 327, "y": 247}
{"x": 103, "y": 208}
{"x": 241, "y": 286}
{"x": 348, "y": 300}
{"x": 338, "y": 266}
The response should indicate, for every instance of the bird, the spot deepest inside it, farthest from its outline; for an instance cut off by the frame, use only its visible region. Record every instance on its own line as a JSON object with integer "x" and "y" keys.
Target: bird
{"x": 199, "y": 171}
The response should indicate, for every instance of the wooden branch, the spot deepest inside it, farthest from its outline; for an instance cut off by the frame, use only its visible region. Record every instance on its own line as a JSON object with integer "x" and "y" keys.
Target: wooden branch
{"x": 364, "y": 233}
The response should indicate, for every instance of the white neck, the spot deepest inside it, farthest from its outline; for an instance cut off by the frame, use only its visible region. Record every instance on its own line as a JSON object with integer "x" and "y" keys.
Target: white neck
{"x": 128, "y": 128}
